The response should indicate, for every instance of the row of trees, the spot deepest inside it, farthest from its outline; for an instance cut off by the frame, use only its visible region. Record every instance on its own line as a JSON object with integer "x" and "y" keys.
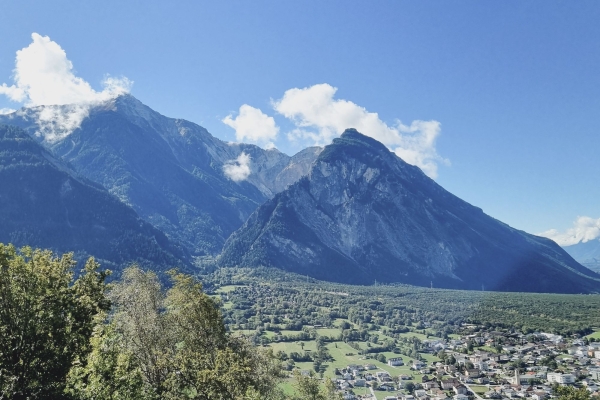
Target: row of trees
{"x": 63, "y": 337}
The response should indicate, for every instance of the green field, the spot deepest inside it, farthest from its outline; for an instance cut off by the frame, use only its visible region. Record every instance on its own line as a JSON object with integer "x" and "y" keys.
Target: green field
{"x": 595, "y": 335}
{"x": 365, "y": 322}
{"x": 479, "y": 389}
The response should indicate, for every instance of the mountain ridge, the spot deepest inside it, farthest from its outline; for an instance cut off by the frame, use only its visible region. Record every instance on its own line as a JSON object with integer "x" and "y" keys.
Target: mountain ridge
{"x": 169, "y": 170}
{"x": 43, "y": 203}
{"x": 363, "y": 214}
{"x": 350, "y": 212}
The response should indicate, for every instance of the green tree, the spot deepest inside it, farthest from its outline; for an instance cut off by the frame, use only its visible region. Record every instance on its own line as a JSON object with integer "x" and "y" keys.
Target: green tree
{"x": 171, "y": 345}
{"x": 308, "y": 387}
{"x": 331, "y": 392}
{"x": 571, "y": 393}
{"x": 46, "y": 319}
{"x": 108, "y": 373}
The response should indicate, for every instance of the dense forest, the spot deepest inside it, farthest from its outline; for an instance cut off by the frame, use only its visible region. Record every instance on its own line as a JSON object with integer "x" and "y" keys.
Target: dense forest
{"x": 277, "y": 300}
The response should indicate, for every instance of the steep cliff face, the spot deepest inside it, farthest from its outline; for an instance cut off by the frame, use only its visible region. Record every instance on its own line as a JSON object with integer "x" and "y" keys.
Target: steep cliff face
{"x": 43, "y": 203}
{"x": 170, "y": 171}
{"x": 362, "y": 214}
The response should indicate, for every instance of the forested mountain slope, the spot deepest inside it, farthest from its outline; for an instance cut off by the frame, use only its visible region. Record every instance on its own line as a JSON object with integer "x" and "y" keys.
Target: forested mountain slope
{"x": 44, "y": 203}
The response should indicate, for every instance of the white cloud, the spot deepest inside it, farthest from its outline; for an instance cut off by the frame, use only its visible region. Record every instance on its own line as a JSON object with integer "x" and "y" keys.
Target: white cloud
{"x": 320, "y": 118}
{"x": 252, "y": 125}
{"x": 57, "y": 122}
{"x": 44, "y": 76}
{"x": 584, "y": 229}
{"x": 239, "y": 169}
{"x": 4, "y": 111}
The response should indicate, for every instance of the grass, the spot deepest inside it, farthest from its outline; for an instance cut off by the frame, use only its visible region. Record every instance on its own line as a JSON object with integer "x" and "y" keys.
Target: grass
{"x": 595, "y": 335}
{"x": 287, "y": 386}
{"x": 331, "y": 332}
{"x": 228, "y": 288}
{"x": 342, "y": 353}
{"x": 290, "y": 347}
{"x": 487, "y": 348}
{"x": 479, "y": 389}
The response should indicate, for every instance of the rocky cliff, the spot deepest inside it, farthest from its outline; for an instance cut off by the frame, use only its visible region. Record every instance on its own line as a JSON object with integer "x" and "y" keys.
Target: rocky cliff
{"x": 362, "y": 214}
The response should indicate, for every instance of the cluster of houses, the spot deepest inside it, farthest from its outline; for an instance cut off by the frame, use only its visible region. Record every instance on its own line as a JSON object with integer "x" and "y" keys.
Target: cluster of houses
{"x": 527, "y": 368}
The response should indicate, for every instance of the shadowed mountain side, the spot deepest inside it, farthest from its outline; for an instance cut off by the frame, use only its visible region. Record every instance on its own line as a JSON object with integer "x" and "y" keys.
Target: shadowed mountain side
{"x": 44, "y": 204}
{"x": 362, "y": 214}
{"x": 170, "y": 171}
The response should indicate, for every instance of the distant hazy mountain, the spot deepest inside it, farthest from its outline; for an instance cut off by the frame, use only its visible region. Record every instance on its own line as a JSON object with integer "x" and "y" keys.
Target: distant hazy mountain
{"x": 362, "y": 214}
{"x": 169, "y": 170}
{"x": 43, "y": 203}
{"x": 587, "y": 254}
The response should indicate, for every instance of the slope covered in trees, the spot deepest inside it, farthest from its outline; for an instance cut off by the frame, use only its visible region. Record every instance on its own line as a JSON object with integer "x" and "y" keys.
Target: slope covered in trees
{"x": 43, "y": 203}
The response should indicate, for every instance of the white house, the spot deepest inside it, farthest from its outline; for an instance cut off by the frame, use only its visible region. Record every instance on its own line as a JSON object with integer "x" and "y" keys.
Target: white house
{"x": 395, "y": 362}
{"x": 563, "y": 379}
{"x": 418, "y": 365}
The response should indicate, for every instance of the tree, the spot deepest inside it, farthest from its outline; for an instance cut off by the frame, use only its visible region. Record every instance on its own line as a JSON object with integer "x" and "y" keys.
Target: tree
{"x": 171, "y": 345}
{"x": 331, "y": 392}
{"x": 46, "y": 319}
{"x": 571, "y": 393}
{"x": 308, "y": 387}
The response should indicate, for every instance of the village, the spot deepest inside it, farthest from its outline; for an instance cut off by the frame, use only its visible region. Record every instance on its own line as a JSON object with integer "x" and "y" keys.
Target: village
{"x": 482, "y": 365}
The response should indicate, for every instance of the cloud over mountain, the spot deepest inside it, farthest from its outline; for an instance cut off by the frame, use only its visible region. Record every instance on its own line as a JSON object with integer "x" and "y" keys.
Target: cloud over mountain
{"x": 43, "y": 76}
{"x": 318, "y": 117}
{"x": 252, "y": 125}
{"x": 584, "y": 229}
{"x": 239, "y": 169}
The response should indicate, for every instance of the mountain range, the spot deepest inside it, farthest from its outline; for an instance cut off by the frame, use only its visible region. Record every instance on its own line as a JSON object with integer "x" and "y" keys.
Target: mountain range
{"x": 170, "y": 171}
{"x": 362, "y": 214}
{"x": 350, "y": 212}
{"x": 44, "y": 203}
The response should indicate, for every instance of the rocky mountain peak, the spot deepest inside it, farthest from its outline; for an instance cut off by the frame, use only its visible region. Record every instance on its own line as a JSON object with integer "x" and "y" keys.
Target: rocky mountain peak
{"x": 362, "y": 213}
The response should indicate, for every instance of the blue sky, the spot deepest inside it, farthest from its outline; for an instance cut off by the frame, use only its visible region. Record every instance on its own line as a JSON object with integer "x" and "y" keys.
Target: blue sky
{"x": 514, "y": 86}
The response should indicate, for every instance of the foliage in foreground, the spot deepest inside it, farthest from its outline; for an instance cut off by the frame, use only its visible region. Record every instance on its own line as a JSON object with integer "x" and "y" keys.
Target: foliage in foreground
{"x": 169, "y": 345}
{"x": 46, "y": 319}
{"x": 60, "y": 338}
{"x": 571, "y": 393}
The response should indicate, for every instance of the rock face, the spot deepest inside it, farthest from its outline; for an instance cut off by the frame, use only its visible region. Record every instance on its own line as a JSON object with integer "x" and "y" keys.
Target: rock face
{"x": 170, "y": 171}
{"x": 362, "y": 214}
{"x": 43, "y": 203}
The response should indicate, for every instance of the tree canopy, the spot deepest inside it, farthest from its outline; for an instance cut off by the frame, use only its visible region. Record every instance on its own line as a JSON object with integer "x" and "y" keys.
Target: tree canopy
{"x": 46, "y": 319}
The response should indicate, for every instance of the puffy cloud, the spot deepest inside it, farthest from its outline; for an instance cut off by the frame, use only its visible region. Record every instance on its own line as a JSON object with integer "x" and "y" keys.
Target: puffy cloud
{"x": 43, "y": 76}
{"x": 4, "y": 111}
{"x": 252, "y": 125}
{"x": 320, "y": 117}
{"x": 239, "y": 169}
{"x": 584, "y": 229}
